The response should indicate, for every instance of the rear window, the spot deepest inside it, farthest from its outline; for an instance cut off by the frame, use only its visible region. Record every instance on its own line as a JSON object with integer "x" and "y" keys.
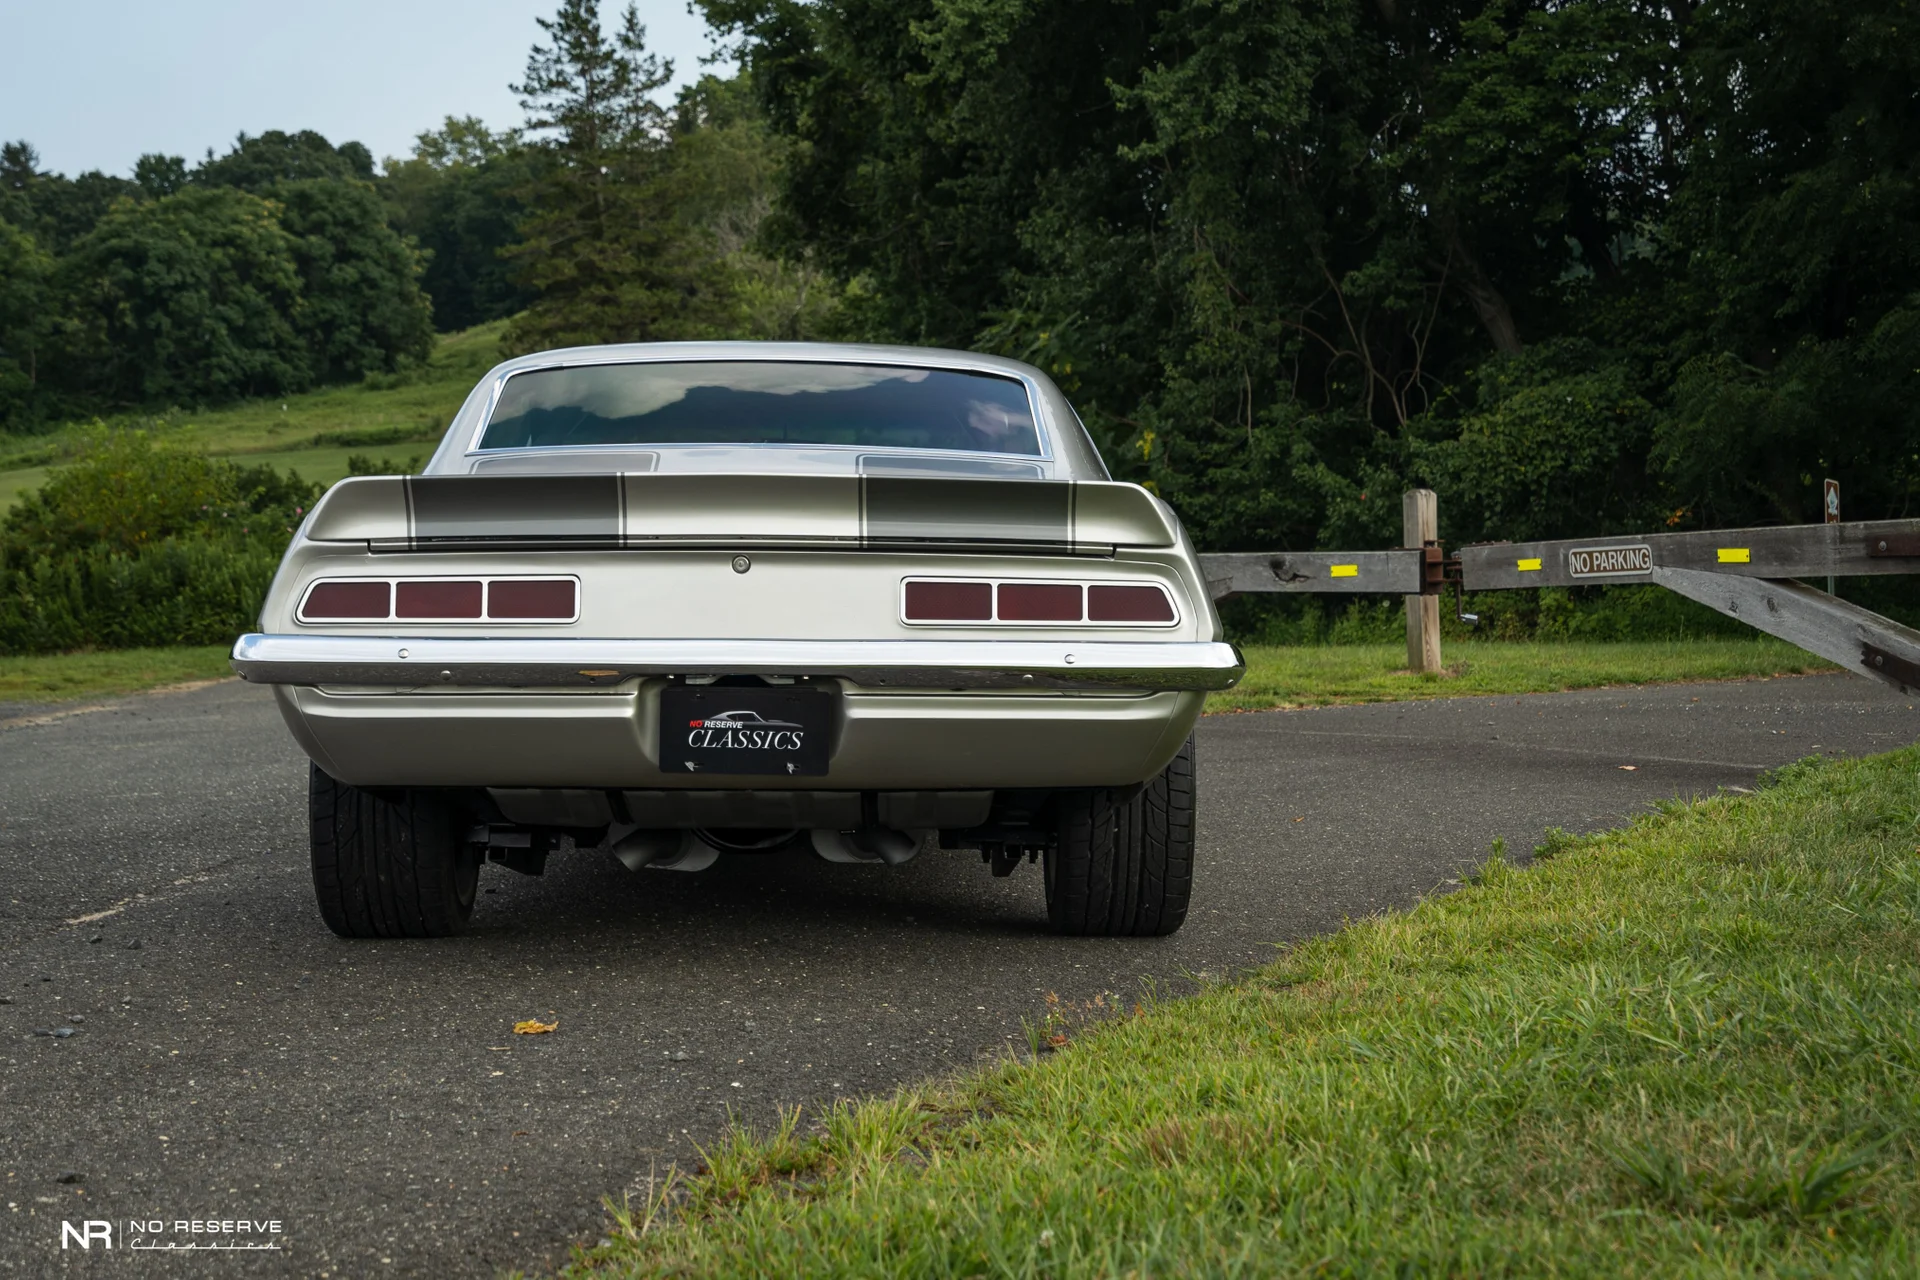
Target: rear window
{"x": 763, "y": 402}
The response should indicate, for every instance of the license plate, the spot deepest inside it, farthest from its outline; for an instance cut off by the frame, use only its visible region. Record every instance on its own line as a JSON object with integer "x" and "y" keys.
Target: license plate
{"x": 723, "y": 729}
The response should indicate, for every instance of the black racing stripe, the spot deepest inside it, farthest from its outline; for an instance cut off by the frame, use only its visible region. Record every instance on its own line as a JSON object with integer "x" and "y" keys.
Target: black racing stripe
{"x": 925, "y": 509}
{"x": 515, "y": 508}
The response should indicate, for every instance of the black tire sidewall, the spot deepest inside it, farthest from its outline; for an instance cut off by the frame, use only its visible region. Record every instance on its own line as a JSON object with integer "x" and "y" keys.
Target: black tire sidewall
{"x": 388, "y": 867}
{"x": 1123, "y": 867}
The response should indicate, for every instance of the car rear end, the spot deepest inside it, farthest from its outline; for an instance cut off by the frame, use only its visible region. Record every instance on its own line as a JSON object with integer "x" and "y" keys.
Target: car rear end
{"x": 755, "y": 641}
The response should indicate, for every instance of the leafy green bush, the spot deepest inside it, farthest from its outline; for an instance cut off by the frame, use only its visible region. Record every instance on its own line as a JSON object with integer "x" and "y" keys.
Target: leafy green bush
{"x": 178, "y": 591}
{"x": 134, "y": 545}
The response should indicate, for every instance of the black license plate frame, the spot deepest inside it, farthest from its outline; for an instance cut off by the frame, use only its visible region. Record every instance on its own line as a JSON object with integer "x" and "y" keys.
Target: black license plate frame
{"x": 776, "y": 730}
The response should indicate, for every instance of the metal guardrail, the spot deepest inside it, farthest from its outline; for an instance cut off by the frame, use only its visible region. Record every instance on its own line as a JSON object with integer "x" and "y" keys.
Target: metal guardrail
{"x": 1747, "y": 574}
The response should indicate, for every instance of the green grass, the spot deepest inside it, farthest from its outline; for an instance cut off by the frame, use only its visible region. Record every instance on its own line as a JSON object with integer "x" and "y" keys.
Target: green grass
{"x": 313, "y": 433}
{"x": 18, "y": 480}
{"x": 1323, "y": 675}
{"x": 1688, "y": 1048}
{"x": 64, "y": 676}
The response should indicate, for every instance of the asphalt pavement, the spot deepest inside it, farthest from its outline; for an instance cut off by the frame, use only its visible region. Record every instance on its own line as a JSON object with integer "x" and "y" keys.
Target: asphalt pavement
{"x": 228, "y": 1058}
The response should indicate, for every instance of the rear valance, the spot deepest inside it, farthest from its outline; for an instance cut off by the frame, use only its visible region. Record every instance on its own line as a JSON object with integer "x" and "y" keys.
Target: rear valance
{"x": 426, "y": 513}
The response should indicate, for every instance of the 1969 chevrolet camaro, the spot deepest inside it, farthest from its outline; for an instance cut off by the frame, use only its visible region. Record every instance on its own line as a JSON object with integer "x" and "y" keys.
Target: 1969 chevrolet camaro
{"x": 679, "y": 600}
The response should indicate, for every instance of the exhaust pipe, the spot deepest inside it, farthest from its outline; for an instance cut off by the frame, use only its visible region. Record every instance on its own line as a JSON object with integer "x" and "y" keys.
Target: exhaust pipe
{"x": 663, "y": 850}
{"x": 866, "y": 844}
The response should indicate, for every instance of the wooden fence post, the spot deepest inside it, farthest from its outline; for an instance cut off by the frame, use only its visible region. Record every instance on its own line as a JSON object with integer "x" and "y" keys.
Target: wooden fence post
{"x": 1420, "y": 524}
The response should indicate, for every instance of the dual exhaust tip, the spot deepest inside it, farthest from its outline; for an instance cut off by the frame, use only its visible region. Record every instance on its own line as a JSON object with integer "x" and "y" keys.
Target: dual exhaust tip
{"x": 696, "y": 849}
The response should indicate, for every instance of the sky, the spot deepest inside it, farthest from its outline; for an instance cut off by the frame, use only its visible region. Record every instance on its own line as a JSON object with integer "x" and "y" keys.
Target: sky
{"x": 94, "y": 84}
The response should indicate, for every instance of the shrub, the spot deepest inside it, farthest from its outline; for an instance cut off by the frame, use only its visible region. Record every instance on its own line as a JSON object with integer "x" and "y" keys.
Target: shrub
{"x": 178, "y": 591}
{"x": 134, "y": 545}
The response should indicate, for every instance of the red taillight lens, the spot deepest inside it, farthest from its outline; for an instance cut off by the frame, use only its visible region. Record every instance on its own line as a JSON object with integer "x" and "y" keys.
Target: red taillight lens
{"x": 531, "y": 598}
{"x": 948, "y": 602}
{"x": 1039, "y": 602}
{"x": 437, "y": 600}
{"x": 348, "y": 600}
{"x": 1128, "y": 604}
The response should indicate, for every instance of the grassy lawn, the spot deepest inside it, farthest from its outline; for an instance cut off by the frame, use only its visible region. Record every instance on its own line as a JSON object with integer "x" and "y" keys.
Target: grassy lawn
{"x": 312, "y": 433}
{"x": 1690, "y": 1047}
{"x": 1323, "y": 675}
{"x": 58, "y": 677}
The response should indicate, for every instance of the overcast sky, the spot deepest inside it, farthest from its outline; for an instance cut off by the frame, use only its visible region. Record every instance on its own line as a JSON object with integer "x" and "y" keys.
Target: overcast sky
{"x": 93, "y": 84}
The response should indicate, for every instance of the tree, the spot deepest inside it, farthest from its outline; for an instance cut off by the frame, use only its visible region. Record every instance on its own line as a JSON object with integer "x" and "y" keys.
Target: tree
{"x": 26, "y": 324}
{"x": 723, "y": 171}
{"x": 160, "y": 175}
{"x": 58, "y": 210}
{"x": 1579, "y": 263}
{"x": 361, "y": 309}
{"x": 602, "y": 246}
{"x": 257, "y": 162}
{"x": 184, "y": 300}
{"x": 460, "y": 197}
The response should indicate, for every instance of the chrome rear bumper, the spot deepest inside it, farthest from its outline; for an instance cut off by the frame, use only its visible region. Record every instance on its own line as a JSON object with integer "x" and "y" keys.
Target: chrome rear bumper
{"x": 515, "y": 662}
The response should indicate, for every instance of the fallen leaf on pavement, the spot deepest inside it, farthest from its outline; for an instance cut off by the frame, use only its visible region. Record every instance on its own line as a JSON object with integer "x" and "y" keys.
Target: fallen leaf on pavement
{"x": 533, "y": 1027}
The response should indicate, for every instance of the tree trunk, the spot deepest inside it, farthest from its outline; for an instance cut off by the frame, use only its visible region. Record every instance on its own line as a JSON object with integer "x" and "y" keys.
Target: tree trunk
{"x": 1488, "y": 302}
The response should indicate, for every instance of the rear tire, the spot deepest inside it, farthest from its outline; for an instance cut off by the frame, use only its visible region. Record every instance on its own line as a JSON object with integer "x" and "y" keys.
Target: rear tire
{"x": 389, "y": 868}
{"x": 1124, "y": 868}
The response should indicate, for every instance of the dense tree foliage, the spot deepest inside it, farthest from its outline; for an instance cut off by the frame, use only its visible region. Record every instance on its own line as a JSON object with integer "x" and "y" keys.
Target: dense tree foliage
{"x": 256, "y": 163}
{"x": 288, "y": 262}
{"x": 1580, "y": 265}
{"x": 185, "y": 297}
{"x": 459, "y": 197}
{"x": 361, "y": 310}
{"x": 601, "y": 248}
{"x": 270, "y": 269}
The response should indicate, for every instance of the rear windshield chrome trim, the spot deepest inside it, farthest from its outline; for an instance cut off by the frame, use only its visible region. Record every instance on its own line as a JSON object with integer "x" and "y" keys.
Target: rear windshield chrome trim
{"x": 1036, "y": 402}
{"x": 525, "y": 662}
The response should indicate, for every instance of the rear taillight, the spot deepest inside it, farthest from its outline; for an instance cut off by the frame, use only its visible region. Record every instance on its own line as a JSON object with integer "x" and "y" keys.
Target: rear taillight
{"x": 532, "y": 598}
{"x": 348, "y": 600}
{"x": 442, "y": 600}
{"x": 1038, "y": 602}
{"x": 936, "y": 601}
{"x": 948, "y": 601}
{"x": 1128, "y": 604}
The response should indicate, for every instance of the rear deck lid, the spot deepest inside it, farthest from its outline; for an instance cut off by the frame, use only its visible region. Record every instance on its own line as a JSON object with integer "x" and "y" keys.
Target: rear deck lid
{"x": 881, "y": 512}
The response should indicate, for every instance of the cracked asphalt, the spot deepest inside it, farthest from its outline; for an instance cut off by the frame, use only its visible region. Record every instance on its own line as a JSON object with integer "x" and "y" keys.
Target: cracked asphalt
{"x": 227, "y": 1057}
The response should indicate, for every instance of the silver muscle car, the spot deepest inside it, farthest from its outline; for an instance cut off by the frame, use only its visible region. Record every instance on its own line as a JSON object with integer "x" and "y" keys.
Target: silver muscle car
{"x": 679, "y": 600}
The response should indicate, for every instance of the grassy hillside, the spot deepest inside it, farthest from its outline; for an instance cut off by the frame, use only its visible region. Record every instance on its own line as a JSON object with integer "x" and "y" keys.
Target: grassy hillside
{"x": 387, "y": 415}
{"x": 1685, "y": 1048}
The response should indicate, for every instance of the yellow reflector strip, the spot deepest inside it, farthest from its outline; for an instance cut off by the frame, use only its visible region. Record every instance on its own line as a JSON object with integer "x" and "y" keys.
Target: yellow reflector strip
{"x": 1529, "y": 566}
{"x": 1344, "y": 571}
{"x": 1735, "y": 555}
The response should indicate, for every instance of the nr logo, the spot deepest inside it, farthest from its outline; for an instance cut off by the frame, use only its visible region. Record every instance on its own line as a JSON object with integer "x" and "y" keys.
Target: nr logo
{"x": 89, "y": 1232}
